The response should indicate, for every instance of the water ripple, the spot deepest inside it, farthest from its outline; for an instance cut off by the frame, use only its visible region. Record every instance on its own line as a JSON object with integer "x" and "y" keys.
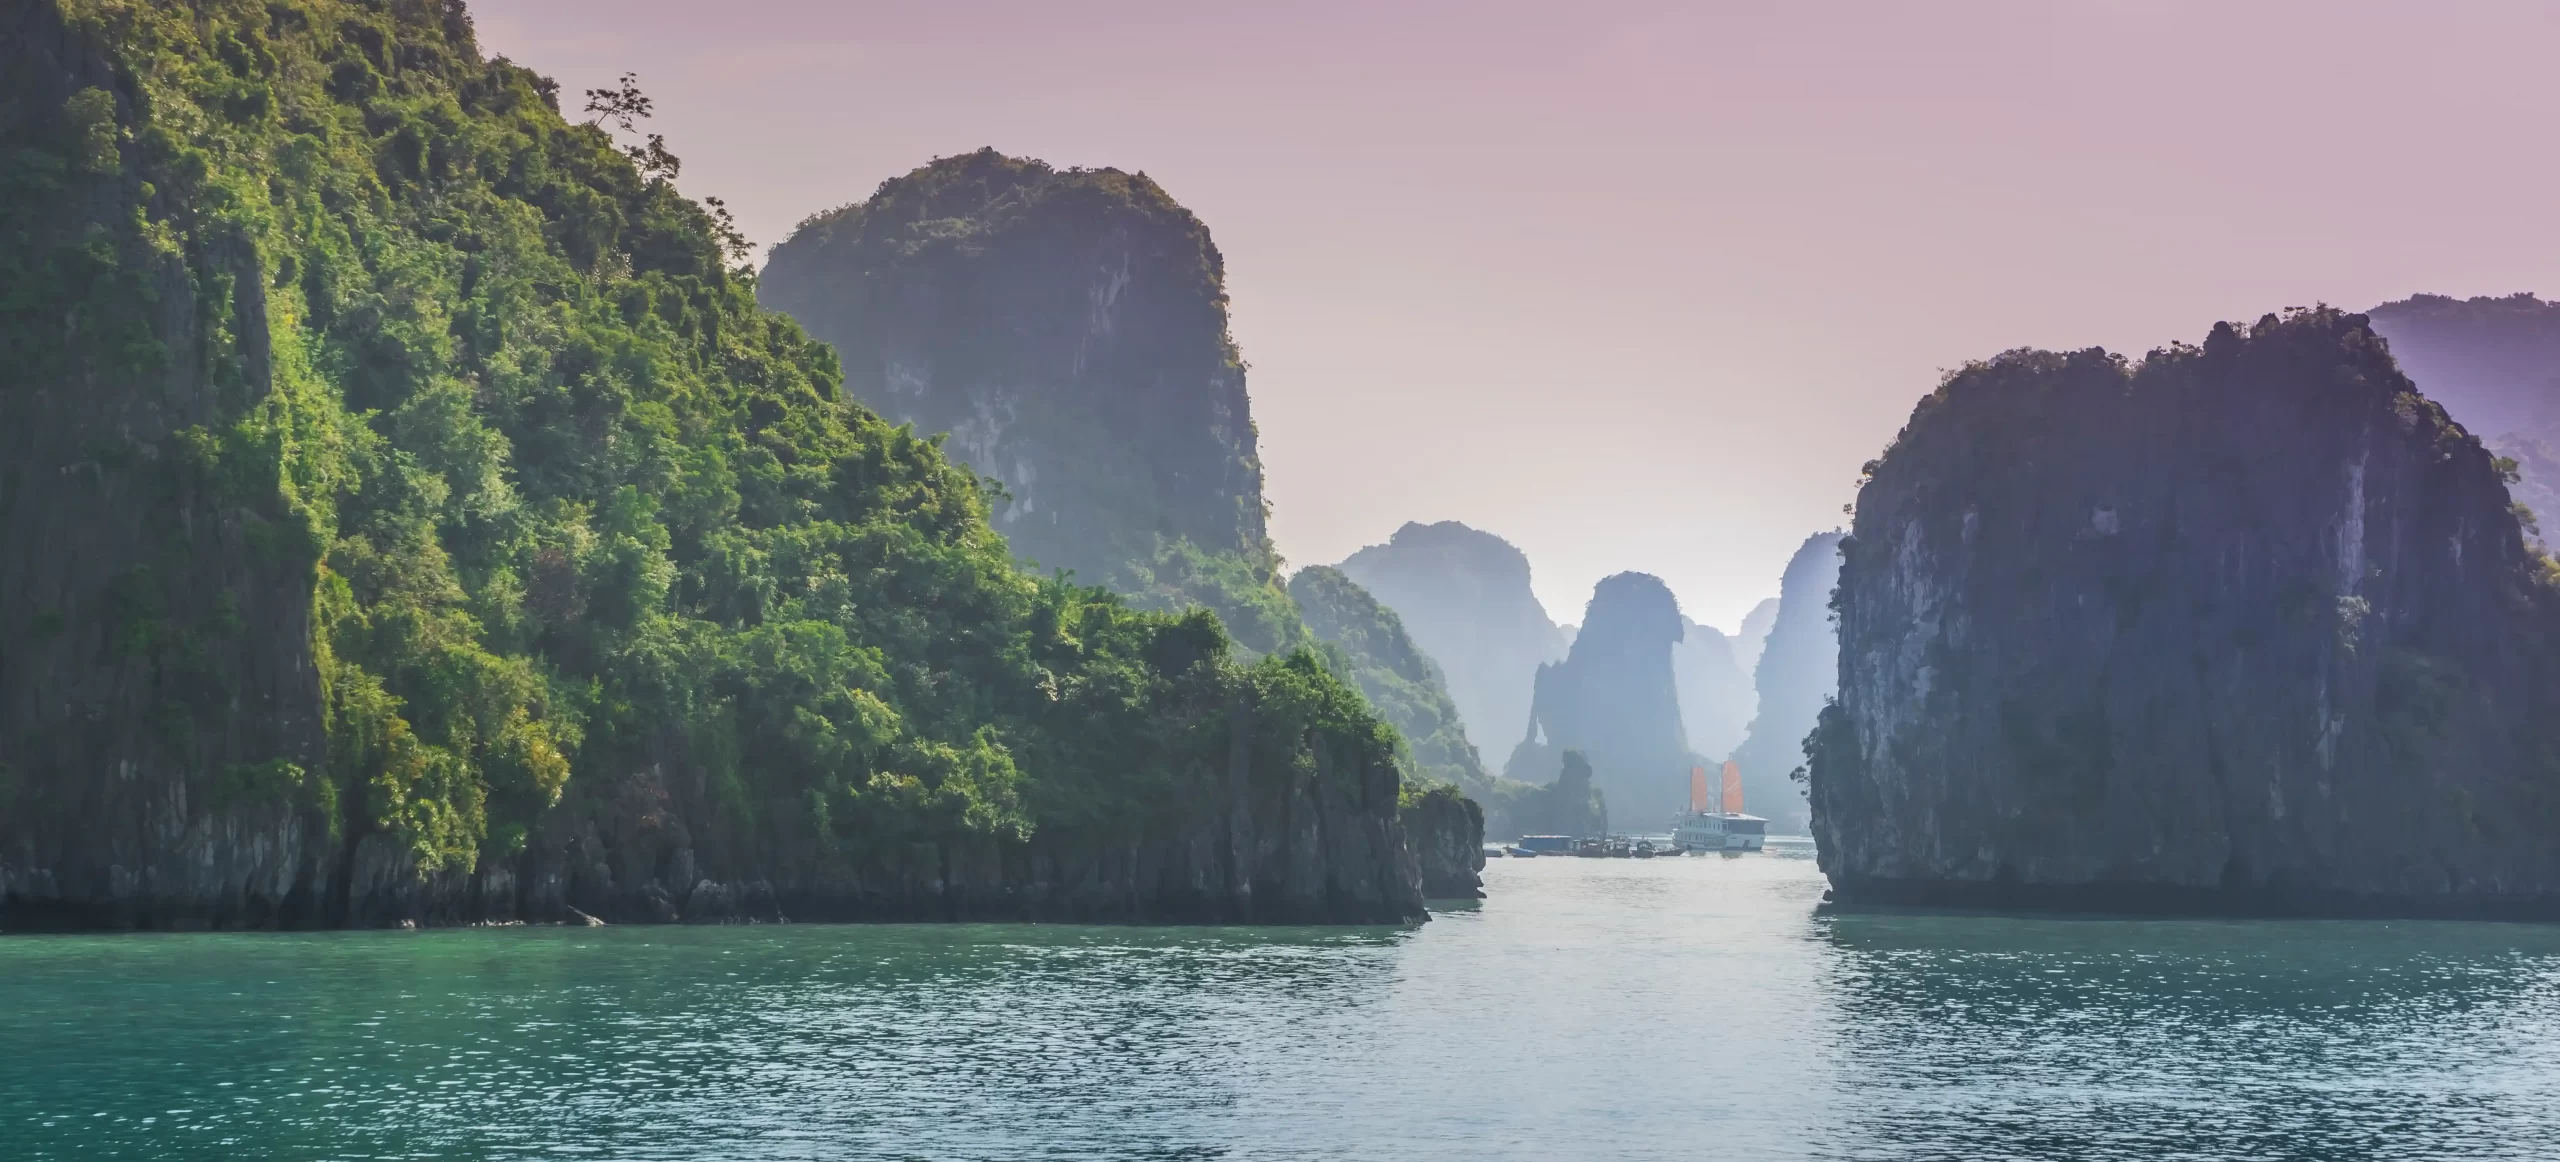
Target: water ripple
{"x": 1587, "y": 1008}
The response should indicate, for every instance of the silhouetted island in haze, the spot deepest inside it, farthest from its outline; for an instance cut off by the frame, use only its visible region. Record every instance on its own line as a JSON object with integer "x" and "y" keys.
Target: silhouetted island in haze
{"x": 2494, "y": 365}
{"x": 1614, "y": 698}
{"x": 1464, "y": 595}
{"x": 1794, "y": 677}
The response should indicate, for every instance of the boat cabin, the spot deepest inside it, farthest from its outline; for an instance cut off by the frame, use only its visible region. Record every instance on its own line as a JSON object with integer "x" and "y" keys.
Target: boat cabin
{"x": 1719, "y": 831}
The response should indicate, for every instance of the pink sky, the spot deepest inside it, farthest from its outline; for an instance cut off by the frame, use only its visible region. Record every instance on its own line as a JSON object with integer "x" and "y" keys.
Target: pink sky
{"x": 1640, "y": 285}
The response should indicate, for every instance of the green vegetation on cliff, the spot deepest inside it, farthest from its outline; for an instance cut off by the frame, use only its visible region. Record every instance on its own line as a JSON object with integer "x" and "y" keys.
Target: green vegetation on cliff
{"x": 567, "y": 512}
{"x": 1371, "y": 648}
{"x": 1064, "y": 332}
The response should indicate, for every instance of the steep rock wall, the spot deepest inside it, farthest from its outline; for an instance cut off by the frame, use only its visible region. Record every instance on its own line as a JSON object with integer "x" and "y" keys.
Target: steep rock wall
{"x": 1446, "y": 830}
{"x": 1068, "y": 330}
{"x": 1274, "y": 846}
{"x": 154, "y": 653}
{"x": 2242, "y": 626}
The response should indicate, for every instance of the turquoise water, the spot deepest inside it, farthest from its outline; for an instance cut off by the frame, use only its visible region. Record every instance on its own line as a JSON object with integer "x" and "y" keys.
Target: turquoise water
{"x": 1590, "y": 1008}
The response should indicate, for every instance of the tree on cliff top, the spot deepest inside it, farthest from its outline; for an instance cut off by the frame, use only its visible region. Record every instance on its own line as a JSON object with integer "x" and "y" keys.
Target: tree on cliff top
{"x": 2494, "y": 365}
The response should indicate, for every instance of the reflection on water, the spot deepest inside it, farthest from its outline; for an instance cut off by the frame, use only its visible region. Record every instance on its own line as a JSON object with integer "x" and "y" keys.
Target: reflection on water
{"x": 1587, "y": 1008}
{"x": 1982, "y": 1036}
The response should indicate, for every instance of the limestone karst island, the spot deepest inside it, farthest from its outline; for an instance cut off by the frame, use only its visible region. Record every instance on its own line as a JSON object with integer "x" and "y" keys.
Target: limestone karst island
{"x": 634, "y": 580}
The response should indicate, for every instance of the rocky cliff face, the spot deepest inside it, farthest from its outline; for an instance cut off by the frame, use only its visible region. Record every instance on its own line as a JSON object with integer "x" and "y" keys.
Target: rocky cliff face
{"x": 1795, "y": 676}
{"x": 148, "y": 630}
{"x": 2244, "y": 625}
{"x": 2494, "y": 365}
{"x": 1264, "y": 843}
{"x": 1716, "y": 696}
{"x": 1464, "y": 596}
{"x": 1446, "y": 830}
{"x": 1614, "y": 698}
{"x": 1268, "y": 846}
{"x": 406, "y": 514}
{"x": 1068, "y": 330}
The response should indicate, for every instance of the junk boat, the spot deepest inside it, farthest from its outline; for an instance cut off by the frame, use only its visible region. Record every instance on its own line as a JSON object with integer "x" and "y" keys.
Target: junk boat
{"x": 1702, "y": 829}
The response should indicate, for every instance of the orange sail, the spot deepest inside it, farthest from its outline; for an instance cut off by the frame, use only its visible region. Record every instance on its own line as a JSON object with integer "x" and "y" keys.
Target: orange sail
{"x": 1697, "y": 788}
{"x": 1732, "y": 787}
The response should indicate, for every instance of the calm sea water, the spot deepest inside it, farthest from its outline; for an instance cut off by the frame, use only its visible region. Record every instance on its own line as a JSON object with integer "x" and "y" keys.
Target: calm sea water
{"x": 1588, "y": 1009}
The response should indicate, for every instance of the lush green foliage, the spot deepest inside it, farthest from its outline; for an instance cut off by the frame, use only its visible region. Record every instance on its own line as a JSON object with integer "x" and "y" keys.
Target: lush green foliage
{"x": 569, "y": 504}
{"x": 1243, "y": 588}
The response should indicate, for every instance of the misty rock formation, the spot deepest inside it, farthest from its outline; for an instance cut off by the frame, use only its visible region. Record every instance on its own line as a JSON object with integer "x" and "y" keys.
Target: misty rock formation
{"x": 1563, "y": 804}
{"x": 1797, "y": 671}
{"x": 1464, "y": 596}
{"x": 1402, "y": 685}
{"x": 1716, "y": 696}
{"x": 2244, "y": 625}
{"x": 1754, "y": 634}
{"x": 1614, "y": 697}
{"x": 1068, "y": 331}
{"x": 2494, "y": 365}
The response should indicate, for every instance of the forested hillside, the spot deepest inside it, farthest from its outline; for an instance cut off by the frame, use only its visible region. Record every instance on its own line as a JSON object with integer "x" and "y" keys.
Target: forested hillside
{"x": 407, "y": 512}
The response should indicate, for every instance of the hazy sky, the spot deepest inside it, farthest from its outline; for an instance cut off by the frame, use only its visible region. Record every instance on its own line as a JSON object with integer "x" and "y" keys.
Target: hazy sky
{"x": 1640, "y": 285}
